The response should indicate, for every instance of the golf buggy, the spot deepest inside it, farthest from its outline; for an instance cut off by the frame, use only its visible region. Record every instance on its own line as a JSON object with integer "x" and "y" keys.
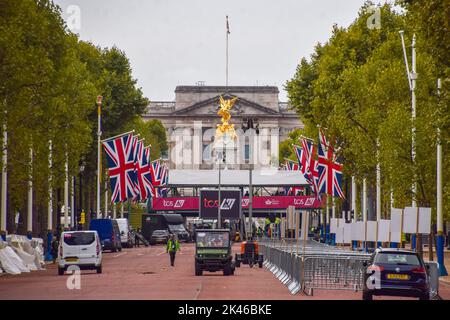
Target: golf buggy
{"x": 249, "y": 254}
{"x": 213, "y": 251}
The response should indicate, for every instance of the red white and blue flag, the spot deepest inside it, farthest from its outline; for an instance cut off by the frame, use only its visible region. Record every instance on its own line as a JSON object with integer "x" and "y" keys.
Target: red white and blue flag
{"x": 155, "y": 172}
{"x": 311, "y": 165}
{"x": 292, "y": 166}
{"x": 162, "y": 192}
{"x": 142, "y": 165}
{"x": 120, "y": 156}
{"x": 330, "y": 171}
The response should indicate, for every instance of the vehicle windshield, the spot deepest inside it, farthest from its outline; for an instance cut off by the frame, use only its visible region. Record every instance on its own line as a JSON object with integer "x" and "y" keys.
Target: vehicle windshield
{"x": 212, "y": 239}
{"x": 79, "y": 238}
{"x": 397, "y": 258}
{"x": 176, "y": 227}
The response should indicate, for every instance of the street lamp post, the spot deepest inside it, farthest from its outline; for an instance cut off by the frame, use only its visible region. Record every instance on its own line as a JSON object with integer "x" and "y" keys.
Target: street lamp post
{"x": 439, "y": 219}
{"x": 99, "y": 137}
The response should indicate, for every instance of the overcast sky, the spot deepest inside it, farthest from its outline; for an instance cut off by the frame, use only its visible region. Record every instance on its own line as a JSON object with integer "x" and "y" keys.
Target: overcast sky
{"x": 181, "y": 42}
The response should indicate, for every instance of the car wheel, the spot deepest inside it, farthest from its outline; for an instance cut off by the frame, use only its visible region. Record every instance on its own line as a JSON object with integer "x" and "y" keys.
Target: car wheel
{"x": 60, "y": 271}
{"x": 198, "y": 270}
{"x": 227, "y": 270}
{"x": 367, "y": 296}
{"x": 99, "y": 269}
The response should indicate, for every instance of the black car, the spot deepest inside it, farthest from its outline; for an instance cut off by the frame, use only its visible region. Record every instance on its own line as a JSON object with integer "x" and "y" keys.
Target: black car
{"x": 396, "y": 272}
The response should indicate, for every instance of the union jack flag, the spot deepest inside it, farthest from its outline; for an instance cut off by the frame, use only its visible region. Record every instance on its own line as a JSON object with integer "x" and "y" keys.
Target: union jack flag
{"x": 142, "y": 165}
{"x": 312, "y": 172}
{"x": 330, "y": 171}
{"x": 121, "y": 168}
{"x": 155, "y": 172}
{"x": 292, "y": 166}
{"x": 164, "y": 180}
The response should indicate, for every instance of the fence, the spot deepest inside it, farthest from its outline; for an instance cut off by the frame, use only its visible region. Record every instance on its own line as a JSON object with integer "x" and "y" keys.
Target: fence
{"x": 308, "y": 265}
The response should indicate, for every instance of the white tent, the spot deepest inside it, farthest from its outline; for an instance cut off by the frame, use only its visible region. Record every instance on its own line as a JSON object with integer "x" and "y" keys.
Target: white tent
{"x": 235, "y": 178}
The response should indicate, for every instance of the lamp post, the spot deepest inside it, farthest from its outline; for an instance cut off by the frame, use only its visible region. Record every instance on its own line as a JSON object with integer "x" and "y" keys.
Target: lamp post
{"x": 226, "y": 139}
{"x": 99, "y": 137}
{"x": 81, "y": 190}
{"x": 439, "y": 218}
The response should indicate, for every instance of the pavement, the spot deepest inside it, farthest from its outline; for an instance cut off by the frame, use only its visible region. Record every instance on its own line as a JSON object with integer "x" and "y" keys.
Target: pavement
{"x": 145, "y": 273}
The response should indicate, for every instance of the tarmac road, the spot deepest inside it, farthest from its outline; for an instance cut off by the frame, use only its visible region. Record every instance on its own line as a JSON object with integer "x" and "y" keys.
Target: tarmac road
{"x": 145, "y": 273}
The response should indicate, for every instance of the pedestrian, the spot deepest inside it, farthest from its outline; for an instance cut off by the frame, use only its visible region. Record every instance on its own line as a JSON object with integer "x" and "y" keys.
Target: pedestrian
{"x": 55, "y": 247}
{"x": 136, "y": 237}
{"x": 173, "y": 245}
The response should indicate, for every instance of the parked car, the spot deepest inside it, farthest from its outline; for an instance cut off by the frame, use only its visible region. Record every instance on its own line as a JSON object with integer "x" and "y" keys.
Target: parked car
{"x": 81, "y": 249}
{"x": 126, "y": 238}
{"x": 108, "y": 231}
{"x": 159, "y": 236}
{"x": 400, "y": 272}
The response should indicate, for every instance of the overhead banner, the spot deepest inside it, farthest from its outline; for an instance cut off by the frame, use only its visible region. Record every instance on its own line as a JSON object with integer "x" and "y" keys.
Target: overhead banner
{"x": 259, "y": 202}
{"x": 230, "y": 204}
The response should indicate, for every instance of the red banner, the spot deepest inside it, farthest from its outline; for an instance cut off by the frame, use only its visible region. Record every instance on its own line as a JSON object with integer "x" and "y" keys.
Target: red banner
{"x": 259, "y": 202}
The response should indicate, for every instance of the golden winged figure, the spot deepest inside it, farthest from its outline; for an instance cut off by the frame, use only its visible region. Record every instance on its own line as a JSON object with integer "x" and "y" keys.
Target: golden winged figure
{"x": 224, "y": 112}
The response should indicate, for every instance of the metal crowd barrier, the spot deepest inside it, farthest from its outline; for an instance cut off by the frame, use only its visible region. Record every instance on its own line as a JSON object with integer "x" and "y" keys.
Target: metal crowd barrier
{"x": 304, "y": 266}
{"x": 309, "y": 265}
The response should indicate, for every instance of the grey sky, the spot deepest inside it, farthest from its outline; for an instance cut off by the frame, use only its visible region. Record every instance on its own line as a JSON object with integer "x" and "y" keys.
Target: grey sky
{"x": 174, "y": 42}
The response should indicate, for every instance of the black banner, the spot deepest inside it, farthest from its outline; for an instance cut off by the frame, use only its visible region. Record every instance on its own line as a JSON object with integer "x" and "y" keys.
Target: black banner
{"x": 230, "y": 204}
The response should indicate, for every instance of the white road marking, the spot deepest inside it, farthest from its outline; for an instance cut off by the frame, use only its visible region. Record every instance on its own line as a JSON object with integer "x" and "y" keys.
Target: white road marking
{"x": 120, "y": 254}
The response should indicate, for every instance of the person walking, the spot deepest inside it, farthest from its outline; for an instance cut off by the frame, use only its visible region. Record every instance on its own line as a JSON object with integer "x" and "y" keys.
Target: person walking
{"x": 136, "y": 237}
{"x": 173, "y": 245}
{"x": 55, "y": 247}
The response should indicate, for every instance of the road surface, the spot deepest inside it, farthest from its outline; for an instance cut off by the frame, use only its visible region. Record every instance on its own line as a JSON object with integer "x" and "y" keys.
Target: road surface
{"x": 145, "y": 273}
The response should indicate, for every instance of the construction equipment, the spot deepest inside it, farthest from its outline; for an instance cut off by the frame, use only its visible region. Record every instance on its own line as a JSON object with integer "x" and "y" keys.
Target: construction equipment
{"x": 249, "y": 254}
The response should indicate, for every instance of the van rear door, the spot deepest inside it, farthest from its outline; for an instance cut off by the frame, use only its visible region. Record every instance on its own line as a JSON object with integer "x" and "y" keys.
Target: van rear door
{"x": 80, "y": 244}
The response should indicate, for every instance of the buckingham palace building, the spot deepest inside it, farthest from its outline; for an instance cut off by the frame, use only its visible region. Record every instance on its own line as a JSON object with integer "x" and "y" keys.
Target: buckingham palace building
{"x": 260, "y": 120}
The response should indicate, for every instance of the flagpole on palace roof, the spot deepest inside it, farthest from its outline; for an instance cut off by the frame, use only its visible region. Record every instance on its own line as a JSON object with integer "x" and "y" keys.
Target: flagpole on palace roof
{"x": 227, "y": 33}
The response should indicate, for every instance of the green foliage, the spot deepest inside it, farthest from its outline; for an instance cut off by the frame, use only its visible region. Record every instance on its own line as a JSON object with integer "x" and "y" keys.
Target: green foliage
{"x": 49, "y": 81}
{"x": 355, "y": 86}
{"x": 153, "y": 133}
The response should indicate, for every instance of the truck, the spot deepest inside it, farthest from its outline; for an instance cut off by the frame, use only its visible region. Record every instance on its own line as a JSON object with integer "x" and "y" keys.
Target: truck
{"x": 172, "y": 222}
{"x": 213, "y": 251}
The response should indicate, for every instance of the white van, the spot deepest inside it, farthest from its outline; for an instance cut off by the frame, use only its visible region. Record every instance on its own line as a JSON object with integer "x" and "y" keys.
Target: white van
{"x": 125, "y": 235}
{"x": 80, "y": 248}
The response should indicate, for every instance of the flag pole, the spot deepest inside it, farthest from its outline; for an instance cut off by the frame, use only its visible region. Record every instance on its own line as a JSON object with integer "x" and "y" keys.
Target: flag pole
{"x": 118, "y": 136}
{"x": 227, "y": 33}
{"x": 30, "y": 198}
{"x": 4, "y": 180}
{"x": 99, "y": 135}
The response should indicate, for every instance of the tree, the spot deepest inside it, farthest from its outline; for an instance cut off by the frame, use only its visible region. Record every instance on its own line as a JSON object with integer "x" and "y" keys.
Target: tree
{"x": 355, "y": 87}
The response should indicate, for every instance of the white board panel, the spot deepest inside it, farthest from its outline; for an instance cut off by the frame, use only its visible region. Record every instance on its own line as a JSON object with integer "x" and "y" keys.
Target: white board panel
{"x": 333, "y": 225}
{"x": 358, "y": 231}
{"x": 340, "y": 235}
{"x": 410, "y": 220}
{"x": 396, "y": 220}
{"x": 424, "y": 220}
{"x": 396, "y": 237}
{"x": 383, "y": 230}
{"x": 371, "y": 231}
{"x": 347, "y": 233}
